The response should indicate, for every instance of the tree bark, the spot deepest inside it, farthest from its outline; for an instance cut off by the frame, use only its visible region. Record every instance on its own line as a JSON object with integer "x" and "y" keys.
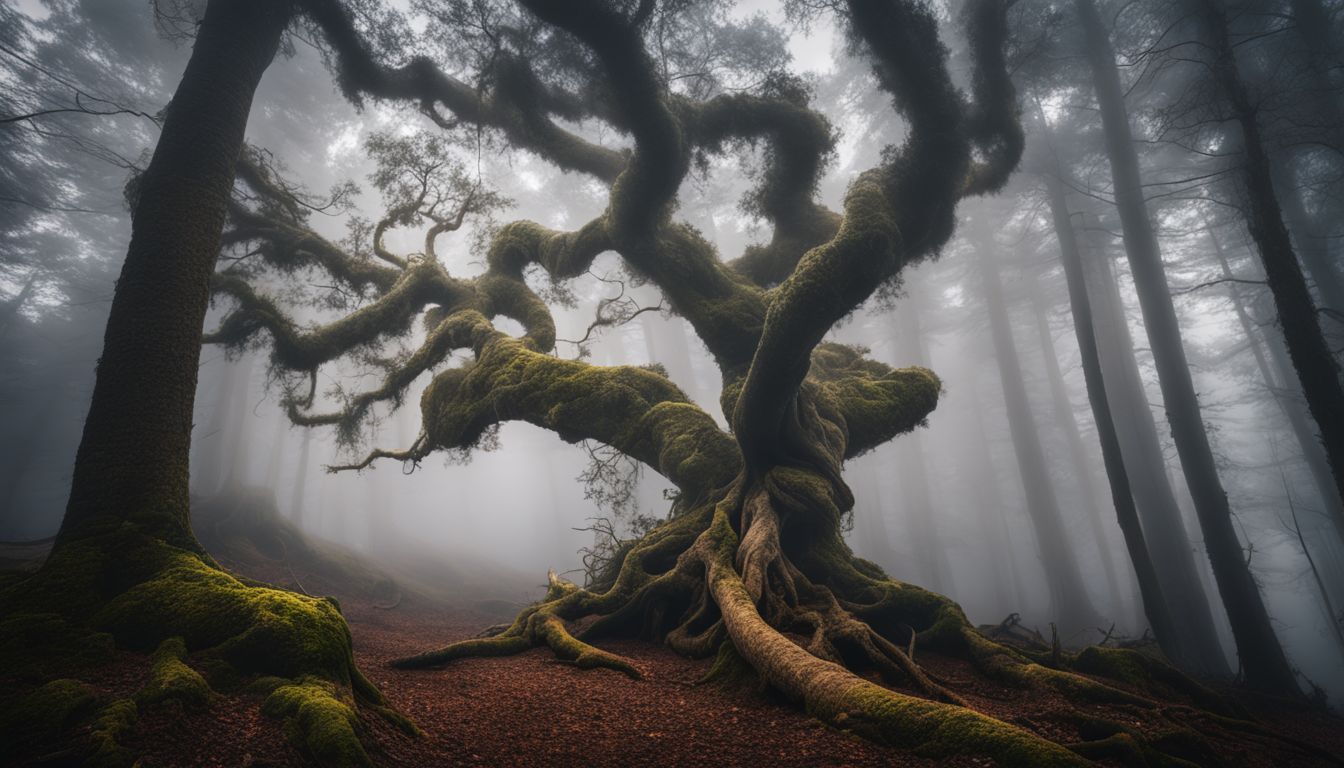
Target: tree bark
{"x": 1011, "y": 592}
{"x": 1180, "y": 647}
{"x": 1314, "y": 361}
{"x": 1163, "y": 524}
{"x": 298, "y": 495}
{"x": 1068, "y": 424}
{"x": 1312, "y": 243}
{"x": 1275, "y": 369}
{"x": 1262, "y": 659}
{"x": 132, "y": 463}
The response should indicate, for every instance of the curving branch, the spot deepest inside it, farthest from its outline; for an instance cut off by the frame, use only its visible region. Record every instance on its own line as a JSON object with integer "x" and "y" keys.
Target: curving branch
{"x": 894, "y": 215}
{"x": 520, "y": 106}
{"x": 635, "y": 410}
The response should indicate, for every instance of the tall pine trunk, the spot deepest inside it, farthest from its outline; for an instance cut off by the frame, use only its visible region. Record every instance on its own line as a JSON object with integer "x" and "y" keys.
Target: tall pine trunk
{"x": 1180, "y": 646}
{"x": 1276, "y": 371}
{"x": 132, "y": 463}
{"x": 930, "y": 554}
{"x": 1073, "y": 442}
{"x": 1070, "y": 602}
{"x": 1262, "y": 659}
{"x": 1163, "y": 524}
{"x": 1314, "y": 361}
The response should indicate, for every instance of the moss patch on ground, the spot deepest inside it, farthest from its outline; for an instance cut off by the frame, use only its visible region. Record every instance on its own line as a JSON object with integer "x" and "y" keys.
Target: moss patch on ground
{"x": 117, "y": 585}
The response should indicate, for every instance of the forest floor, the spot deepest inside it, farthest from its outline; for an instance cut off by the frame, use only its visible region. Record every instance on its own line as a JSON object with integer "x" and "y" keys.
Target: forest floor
{"x": 529, "y": 710}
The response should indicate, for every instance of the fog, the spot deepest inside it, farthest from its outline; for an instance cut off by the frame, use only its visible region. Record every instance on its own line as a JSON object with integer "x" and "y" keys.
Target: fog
{"x": 953, "y": 506}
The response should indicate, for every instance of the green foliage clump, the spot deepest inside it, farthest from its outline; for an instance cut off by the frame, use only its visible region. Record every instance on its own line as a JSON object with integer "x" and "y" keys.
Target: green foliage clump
{"x": 876, "y": 402}
{"x": 635, "y": 410}
{"x": 1149, "y": 674}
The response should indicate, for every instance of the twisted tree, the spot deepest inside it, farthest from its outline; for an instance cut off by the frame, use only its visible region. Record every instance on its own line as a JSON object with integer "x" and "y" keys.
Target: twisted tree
{"x": 750, "y": 563}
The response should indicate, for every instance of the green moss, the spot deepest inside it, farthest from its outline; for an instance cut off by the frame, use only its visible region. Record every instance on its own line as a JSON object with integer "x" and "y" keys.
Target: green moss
{"x": 1114, "y": 663}
{"x": 940, "y": 730}
{"x": 730, "y": 669}
{"x": 171, "y": 680}
{"x": 255, "y": 629}
{"x": 875, "y": 401}
{"x": 44, "y": 713}
{"x": 1110, "y": 740}
{"x": 36, "y": 646}
{"x": 635, "y": 410}
{"x": 1149, "y": 674}
{"x": 320, "y": 721}
{"x": 119, "y": 580}
{"x": 106, "y": 733}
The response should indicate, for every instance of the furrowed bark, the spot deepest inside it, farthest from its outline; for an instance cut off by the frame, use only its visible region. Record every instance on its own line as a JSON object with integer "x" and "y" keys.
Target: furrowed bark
{"x": 132, "y": 461}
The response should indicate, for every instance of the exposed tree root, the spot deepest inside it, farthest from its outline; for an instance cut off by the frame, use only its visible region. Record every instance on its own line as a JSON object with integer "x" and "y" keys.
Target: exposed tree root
{"x": 823, "y": 632}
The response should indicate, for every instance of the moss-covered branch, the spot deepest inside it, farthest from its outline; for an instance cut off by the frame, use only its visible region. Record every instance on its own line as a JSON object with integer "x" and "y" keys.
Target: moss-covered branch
{"x": 635, "y": 410}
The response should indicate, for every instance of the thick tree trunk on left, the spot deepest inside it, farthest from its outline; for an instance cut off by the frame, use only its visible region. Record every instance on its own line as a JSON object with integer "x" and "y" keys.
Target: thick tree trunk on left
{"x": 132, "y": 461}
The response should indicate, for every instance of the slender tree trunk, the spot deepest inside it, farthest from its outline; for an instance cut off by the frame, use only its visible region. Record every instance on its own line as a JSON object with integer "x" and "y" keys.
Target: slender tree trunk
{"x": 277, "y": 453}
{"x": 132, "y": 463}
{"x": 667, "y": 346}
{"x": 1277, "y": 376}
{"x": 1313, "y": 244}
{"x": 929, "y": 553}
{"x": 1314, "y": 361}
{"x": 298, "y": 495}
{"x": 1163, "y": 524}
{"x": 1313, "y": 26}
{"x": 1068, "y": 424}
{"x": 1262, "y": 659}
{"x": 11, "y": 481}
{"x": 1070, "y": 603}
{"x": 1181, "y": 647}
{"x": 211, "y": 448}
{"x": 1010, "y": 588}
{"x": 876, "y": 521}
{"x": 237, "y": 431}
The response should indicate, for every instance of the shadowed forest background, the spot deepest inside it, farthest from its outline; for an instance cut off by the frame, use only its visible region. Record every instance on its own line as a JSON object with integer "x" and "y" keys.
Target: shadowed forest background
{"x": 1005, "y": 499}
